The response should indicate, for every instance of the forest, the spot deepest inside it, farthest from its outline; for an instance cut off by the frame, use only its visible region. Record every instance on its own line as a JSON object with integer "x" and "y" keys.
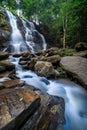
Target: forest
{"x": 63, "y": 22}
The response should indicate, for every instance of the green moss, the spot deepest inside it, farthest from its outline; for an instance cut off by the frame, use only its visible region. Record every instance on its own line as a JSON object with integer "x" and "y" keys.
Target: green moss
{"x": 4, "y": 24}
{"x": 62, "y": 72}
{"x": 66, "y": 52}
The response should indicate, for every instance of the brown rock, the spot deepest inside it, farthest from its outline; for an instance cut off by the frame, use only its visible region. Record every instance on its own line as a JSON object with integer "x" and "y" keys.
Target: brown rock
{"x": 16, "y": 105}
{"x": 7, "y": 64}
{"x": 49, "y": 115}
{"x": 4, "y": 55}
{"x": 13, "y": 83}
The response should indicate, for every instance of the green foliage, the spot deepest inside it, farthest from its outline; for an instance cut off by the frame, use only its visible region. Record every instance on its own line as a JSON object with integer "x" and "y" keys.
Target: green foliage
{"x": 56, "y": 15}
{"x": 66, "y": 52}
{"x": 62, "y": 72}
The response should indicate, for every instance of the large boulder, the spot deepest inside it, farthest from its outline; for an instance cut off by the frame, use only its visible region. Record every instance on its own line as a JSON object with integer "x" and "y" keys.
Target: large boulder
{"x": 81, "y": 46}
{"x": 77, "y": 67}
{"x": 46, "y": 69}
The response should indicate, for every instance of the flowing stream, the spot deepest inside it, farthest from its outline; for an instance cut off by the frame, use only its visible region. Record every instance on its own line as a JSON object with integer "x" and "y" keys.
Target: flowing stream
{"x": 74, "y": 95}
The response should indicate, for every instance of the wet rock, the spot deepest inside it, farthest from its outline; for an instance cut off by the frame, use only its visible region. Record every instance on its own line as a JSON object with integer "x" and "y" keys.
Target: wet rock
{"x": 32, "y": 63}
{"x": 2, "y": 86}
{"x": 4, "y": 55}
{"x": 16, "y": 105}
{"x": 17, "y": 55}
{"x": 6, "y": 73}
{"x": 46, "y": 69}
{"x": 81, "y": 46}
{"x": 2, "y": 68}
{"x": 4, "y": 35}
{"x": 22, "y": 62}
{"x": 49, "y": 115}
{"x": 26, "y": 54}
{"x": 77, "y": 67}
{"x": 7, "y": 64}
{"x": 13, "y": 83}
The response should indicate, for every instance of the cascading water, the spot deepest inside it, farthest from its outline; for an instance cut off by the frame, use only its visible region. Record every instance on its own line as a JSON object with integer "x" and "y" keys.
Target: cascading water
{"x": 16, "y": 38}
{"x": 75, "y": 97}
{"x": 32, "y": 39}
{"x": 30, "y": 35}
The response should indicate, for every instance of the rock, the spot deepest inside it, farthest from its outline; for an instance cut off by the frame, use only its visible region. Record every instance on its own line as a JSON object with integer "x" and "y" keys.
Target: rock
{"x": 46, "y": 69}
{"x": 32, "y": 63}
{"x": 49, "y": 52}
{"x": 16, "y": 105}
{"x": 6, "y": 73}
{"x": 53, "y": 59}
{"x": 22, "y": 62}
{"x": 2, "y": 86}
{"x": 2, "y": 68}
{"x": 81, "y": 46}
{"x": 26, "y": 54}
{"x": 7, "y": 64}
{"x": 17, "y": 55}
{"x": 13, "y": 83}
{"x": 52, "y": 51}
{"x": 41, "y": 53}
{"x": 4, "y": 55}
{"x": 82, "y": 54}
{"x": 4, "y": 35}
{"x": 77, "y": 67}
{"x": 49, "y": 115}
{"x": 5, "y": 28}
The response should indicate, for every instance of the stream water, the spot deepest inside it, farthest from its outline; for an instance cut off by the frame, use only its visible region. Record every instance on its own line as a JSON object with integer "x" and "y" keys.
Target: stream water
{"x": 74, "y": 95}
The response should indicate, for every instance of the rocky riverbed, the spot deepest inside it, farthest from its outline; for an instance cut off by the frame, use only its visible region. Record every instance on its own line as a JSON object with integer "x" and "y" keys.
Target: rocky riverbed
{"x": 24, "y": 107}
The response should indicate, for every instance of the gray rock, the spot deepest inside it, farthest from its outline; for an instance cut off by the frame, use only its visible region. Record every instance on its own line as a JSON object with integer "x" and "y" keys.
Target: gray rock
{"x": 77, "y": 67}
{"x": 46, "y": 69}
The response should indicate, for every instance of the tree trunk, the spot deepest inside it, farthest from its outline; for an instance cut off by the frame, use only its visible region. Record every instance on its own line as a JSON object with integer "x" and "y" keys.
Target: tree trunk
{"x": 64, "y": 38}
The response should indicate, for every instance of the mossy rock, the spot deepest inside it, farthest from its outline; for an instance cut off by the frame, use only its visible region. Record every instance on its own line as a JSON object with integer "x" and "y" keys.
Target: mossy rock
{"x": 4, "y": 24}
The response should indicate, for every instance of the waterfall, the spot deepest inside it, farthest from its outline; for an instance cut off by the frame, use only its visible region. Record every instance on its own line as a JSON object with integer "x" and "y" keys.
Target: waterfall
{"x": 16, "y": 37}
{"x": 30, "y": 34}
{"x": 30, "y": 39}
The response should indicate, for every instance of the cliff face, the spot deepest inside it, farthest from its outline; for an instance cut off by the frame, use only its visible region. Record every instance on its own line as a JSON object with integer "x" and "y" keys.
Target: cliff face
{"x": 5, "y": 29}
